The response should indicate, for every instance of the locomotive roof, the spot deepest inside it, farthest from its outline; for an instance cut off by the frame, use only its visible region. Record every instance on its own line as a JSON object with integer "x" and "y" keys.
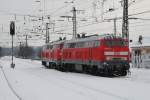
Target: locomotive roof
{"x": 88, "y": 38}
{"x": 92, "y": 38}
{"x": 56, "y": 42}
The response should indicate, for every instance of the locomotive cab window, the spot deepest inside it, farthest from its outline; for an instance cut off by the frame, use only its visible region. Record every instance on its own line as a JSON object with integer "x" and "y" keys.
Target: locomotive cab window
{"x": 108, "y": 43}
{"x": 114, "y": 43}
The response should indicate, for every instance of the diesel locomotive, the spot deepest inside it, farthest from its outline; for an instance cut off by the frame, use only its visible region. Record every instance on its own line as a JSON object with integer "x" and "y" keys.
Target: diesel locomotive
{"x": 105, "y": 55}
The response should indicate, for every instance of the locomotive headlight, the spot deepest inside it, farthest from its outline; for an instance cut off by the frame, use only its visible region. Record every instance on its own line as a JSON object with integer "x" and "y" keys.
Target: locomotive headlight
{"x": 108, "y": 58}
{"x": 125, "y": 58}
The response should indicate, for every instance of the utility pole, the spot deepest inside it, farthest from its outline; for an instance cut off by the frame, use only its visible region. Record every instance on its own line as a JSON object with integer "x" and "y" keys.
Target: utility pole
{"x": 102, "y": 8}
{"x": 115, "y": 27}
{"x": 74, "y": 23}
{"x": 20, "y": 44}
{"x": 94, "y": 10}
{"x": 125, "y": 26}
{"x": 47, "y": 33}
{"x": 26, "y": 40}
{"x": 74, "y": 20}
{"x": 20, "y": 49}
{"x": 115, "y": 24}
{"x": 2, "y": 28}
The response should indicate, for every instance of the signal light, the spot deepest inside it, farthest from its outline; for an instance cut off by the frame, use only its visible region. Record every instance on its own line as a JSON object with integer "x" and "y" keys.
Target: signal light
{"x": 12, "y": 28}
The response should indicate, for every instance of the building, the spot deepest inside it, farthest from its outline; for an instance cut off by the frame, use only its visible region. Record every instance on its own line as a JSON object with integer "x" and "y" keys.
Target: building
{"x": 140, "y": 53}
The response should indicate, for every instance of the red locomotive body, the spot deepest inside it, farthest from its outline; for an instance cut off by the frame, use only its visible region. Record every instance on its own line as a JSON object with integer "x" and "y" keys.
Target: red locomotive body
{"x": 51, "y": 54}
{"x": 44, "y": 54}
{"x": 106, "y": 55}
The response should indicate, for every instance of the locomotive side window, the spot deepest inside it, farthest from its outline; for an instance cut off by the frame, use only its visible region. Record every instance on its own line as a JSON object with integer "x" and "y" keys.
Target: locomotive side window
{"x": 89, "y": 44}
{"x": 44, "y": 47}
{"x": 72, "y": 45}
{"x": 57, "y": 46}
{"x": 51, "y": 46}
{"x": 108, "y": 43}
{"x": 97, "y": 43}
{"x": 47, "y": 46}
{"x": 69, "y": 45}
{"x": 65, "y": 45}
{"x": 85, "y": 44}
{"x": 54, "y": 46}
{"x": 79, "y": 45}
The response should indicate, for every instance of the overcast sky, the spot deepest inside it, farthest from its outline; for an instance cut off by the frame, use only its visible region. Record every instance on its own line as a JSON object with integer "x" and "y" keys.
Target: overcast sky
{"x": 57, "y": 8}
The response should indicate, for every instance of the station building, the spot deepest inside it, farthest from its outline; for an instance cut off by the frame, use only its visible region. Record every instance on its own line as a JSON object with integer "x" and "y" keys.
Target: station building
{"x": 140, "y": 53}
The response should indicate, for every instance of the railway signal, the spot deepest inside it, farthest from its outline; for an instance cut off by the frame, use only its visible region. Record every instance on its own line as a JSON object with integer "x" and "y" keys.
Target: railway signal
{"x": 12, "y": 33}
{"x": 12, "y": 28}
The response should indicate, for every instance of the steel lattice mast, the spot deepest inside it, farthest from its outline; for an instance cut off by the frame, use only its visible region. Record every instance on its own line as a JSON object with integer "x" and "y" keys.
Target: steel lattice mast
{"x": 125, "y": 24}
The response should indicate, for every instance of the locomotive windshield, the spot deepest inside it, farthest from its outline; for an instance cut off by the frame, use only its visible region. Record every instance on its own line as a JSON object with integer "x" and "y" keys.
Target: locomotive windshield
{"x": 114, "y": 43}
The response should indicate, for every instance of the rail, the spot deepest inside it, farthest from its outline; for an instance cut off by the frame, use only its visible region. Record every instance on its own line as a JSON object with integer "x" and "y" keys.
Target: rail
{"x": 9, "y": 85}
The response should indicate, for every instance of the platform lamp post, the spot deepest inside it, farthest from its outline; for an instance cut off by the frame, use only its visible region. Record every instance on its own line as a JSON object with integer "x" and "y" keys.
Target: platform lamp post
{"x": 12, "y": 33}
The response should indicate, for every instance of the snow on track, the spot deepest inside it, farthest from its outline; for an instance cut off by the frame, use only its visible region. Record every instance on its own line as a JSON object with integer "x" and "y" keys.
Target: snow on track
{"x": 5, "y": 91}
{"x": 9, "y": 85}
{"x": 34, "y": 82}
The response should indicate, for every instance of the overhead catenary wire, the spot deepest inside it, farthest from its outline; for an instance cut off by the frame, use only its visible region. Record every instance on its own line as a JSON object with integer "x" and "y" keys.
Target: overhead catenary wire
{"x": 61, "y": 8}
{"x": 80, "y": 26}
{"x": 139, "y": 13}
{"x": 86, "y": 18}
{"x": 147, "y": 11}
{"x": 106, "y": 28}
{"x": 31, "y": 15}
{"x": 143, "y": 12}
{"x": 69, "y": 3}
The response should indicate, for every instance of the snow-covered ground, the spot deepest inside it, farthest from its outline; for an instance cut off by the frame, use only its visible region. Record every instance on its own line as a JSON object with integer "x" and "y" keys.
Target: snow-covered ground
{"x": 31, "y": 81}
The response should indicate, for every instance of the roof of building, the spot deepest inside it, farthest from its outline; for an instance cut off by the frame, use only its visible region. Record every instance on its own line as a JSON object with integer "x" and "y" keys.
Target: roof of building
{"x": 144, "y": 43}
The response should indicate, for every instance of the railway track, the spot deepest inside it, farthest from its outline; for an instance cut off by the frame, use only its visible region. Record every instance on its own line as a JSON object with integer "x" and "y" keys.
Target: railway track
{"x": 96, "y": 90}
{"x": 9, "y": 84}
{"x": 85, "y": 88}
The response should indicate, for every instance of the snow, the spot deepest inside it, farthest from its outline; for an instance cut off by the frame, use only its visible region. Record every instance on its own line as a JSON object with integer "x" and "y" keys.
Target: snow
{"x": 5, "y": 93}
{"x": 29, "y": 7}
{"x": 31, "y": 81}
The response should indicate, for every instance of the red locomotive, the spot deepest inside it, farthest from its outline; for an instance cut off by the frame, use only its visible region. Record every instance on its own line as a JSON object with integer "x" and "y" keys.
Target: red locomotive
{"x": 104, "y": 55}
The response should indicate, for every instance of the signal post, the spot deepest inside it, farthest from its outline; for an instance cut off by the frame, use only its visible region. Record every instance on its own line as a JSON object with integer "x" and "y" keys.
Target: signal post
{"x": 12, "y": 33}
